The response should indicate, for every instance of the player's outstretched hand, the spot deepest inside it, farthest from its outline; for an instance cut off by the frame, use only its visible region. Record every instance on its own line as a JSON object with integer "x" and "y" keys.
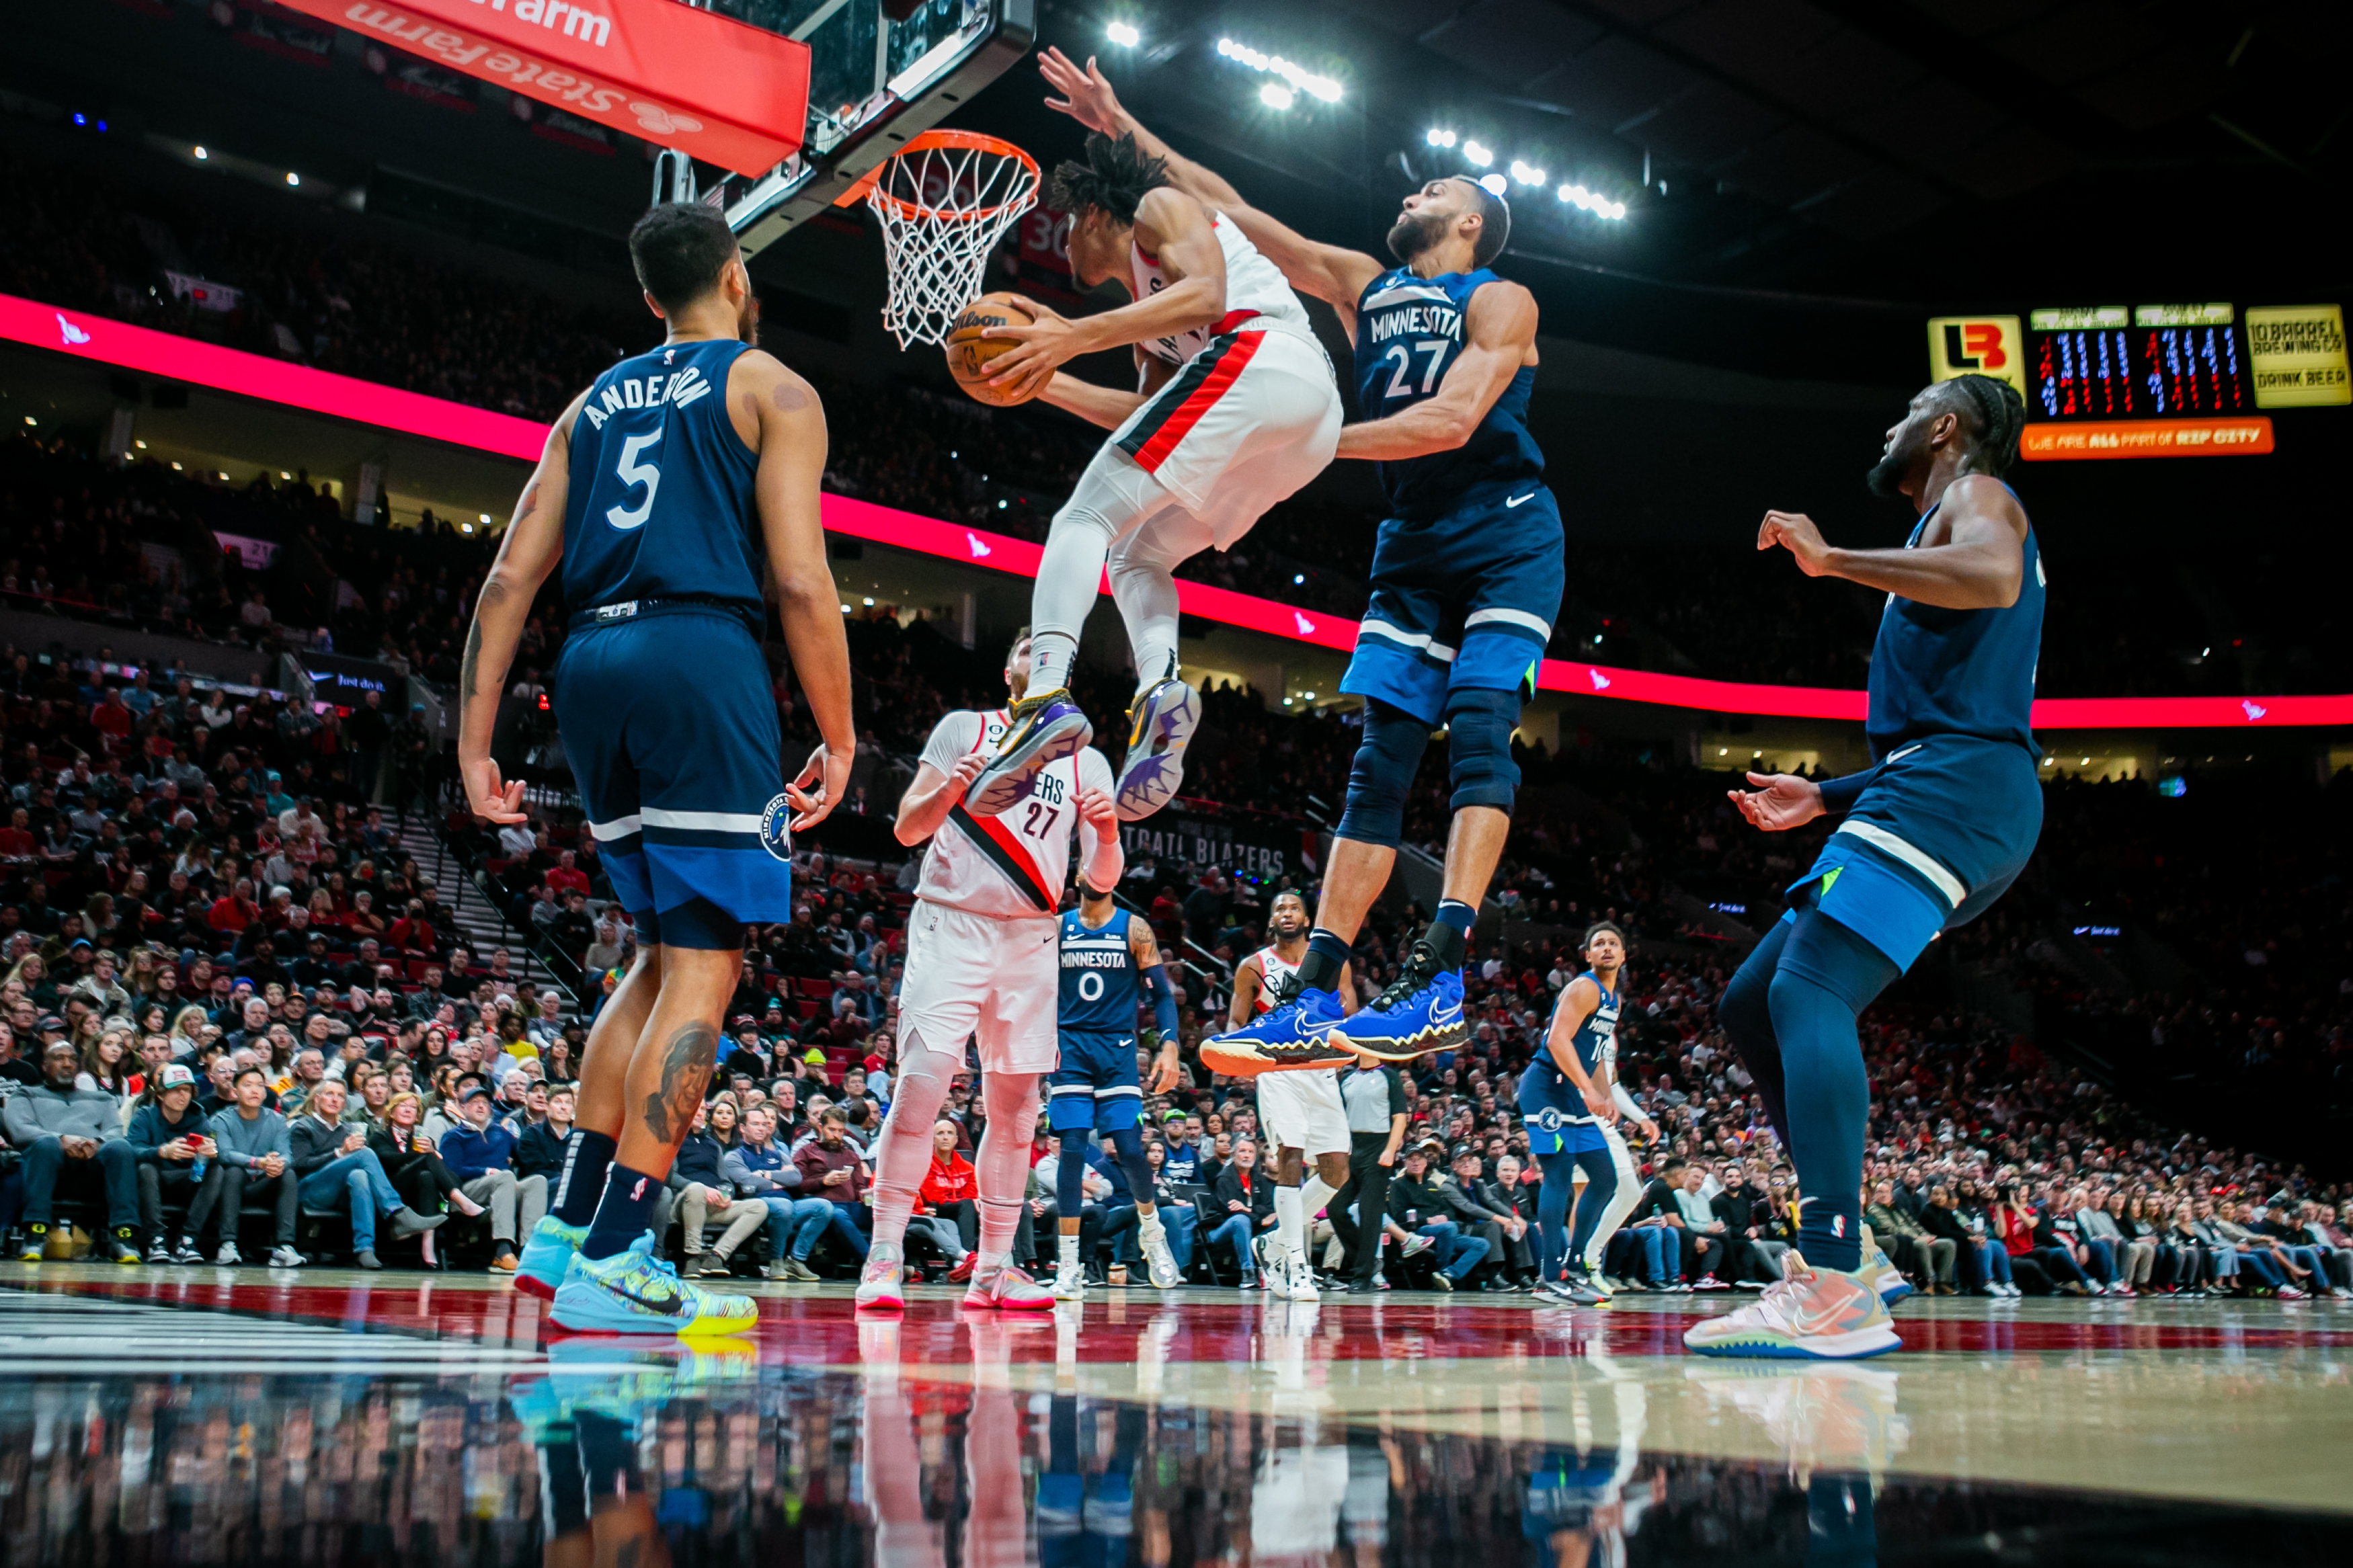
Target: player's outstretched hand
{"x": 485, "y": 796}
{"x": 1051, "y": 339}
{"x": 1086, "y": 97}
{"x": 1786, "y": 801}
{"x": 830, "y": 770}
{"x": 1797, "y": 533}
{"x": 1165, "y": 1069}
{"x": 1096, "y": 810}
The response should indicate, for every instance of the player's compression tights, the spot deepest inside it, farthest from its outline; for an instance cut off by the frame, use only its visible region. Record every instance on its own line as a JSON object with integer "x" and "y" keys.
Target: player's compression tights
{"x": 1791, "y": 1012}
{"x": 1003, "y": 1163}
{"x": 1554, "y": 1239}
{"x": 925, "y": 1073}
{"x": 1069, "y": 1170}
{"x": 1103, "y": 522}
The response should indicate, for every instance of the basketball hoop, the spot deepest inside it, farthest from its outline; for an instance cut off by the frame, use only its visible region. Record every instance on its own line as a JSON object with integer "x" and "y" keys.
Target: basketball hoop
{"x": 945, "y": 200}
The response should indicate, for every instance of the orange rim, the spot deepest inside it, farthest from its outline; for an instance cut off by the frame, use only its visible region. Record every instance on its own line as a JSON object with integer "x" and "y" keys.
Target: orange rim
{"x": 953, "y": 141}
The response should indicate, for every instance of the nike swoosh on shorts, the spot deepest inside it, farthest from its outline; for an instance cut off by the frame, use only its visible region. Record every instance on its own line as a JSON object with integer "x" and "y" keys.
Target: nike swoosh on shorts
{"x": 1509, "y": 504}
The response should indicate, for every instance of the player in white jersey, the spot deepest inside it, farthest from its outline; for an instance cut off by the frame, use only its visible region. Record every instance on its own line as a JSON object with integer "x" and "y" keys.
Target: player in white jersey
{"x": 983, "y": 959}
{"x": 1300, "y": 1112}
{"x": 1235, "y": 409}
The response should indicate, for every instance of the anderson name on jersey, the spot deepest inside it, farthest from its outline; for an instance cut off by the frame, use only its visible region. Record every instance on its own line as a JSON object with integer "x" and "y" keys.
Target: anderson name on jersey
{"x": 1011, "y": 867}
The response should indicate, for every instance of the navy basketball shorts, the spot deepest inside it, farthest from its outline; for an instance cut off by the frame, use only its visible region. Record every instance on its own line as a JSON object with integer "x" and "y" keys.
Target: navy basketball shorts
{"x": 1941, "y": 832}
{"x": 1549, "y": 1103}
{"x": 1465, "y": 601}
{"x": 1095, "y": 1087}
{"x": 670, "y": 730}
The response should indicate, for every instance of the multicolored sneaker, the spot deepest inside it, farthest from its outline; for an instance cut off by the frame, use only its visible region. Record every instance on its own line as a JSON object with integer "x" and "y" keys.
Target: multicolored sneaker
{"x": 1046, "y": 728}
{"x": 1578, "y": 1288}
{"x": 1290, "y": 1037}
{"x": 881, "y": 1284}
{"x": 1160, "y": 723}
{"x": 1809, "y": 1314}
{"x": 634, "y": 1292}
{"x": 546, "y": 1255}
{"x": 1884, "y": 1276}
{"x": 1007, "y": 1289}
{"x": 1420, "y": 1012}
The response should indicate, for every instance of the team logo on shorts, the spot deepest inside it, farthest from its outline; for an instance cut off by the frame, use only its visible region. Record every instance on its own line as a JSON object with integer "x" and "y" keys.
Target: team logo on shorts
{"x": 1549, "y": 1119}
{"x": 777, "y": 829}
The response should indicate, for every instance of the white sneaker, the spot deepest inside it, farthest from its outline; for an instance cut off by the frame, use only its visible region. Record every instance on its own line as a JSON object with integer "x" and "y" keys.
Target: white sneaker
{"x": 881, "y": 1282}
{"x": 286, "y": 1257}
{"x": 1158, "y": 1259}
{"x": 228, "y": 1256}
{"x": 1069, "y": 1273}
{"x": 1007, "y": 1288}
{"x": 1302, "y": 1279}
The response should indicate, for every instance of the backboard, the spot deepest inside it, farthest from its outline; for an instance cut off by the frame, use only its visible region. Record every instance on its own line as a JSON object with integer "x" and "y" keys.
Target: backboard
{"x": 874, "y": 84}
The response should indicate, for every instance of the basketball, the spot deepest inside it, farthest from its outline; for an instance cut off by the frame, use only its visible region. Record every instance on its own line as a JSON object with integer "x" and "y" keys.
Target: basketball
{"x": 970, "y": 348}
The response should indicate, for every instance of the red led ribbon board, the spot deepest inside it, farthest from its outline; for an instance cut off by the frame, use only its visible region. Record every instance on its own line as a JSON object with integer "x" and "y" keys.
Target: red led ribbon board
{"x": 713, "y": 88}
{"x": 168, "y": 355}
{"x": 2056, "y": 441}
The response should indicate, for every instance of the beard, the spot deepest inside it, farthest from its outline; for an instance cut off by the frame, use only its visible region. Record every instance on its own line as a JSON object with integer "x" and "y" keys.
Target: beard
{"x": 1413, "y": 236}
{"x": 1885, "y": 479}
{"x": 747, "y": 321}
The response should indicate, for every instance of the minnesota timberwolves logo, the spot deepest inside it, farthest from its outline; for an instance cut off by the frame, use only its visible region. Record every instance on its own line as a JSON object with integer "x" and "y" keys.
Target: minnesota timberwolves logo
{"x": 777, "y": 829}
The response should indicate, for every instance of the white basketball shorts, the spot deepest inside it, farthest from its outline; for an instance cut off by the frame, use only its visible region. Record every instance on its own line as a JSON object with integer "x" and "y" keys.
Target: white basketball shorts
{"x": 970, "y": 976}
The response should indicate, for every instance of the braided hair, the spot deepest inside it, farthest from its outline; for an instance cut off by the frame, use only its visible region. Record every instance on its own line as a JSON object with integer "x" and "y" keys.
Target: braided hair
{"x": 1992, "y": 413}
{"x": 1114, "y": 177}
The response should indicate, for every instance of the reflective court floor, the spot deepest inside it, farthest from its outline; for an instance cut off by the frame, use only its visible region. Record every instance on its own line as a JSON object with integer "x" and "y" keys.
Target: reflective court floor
{"x": 198, "y": 1416}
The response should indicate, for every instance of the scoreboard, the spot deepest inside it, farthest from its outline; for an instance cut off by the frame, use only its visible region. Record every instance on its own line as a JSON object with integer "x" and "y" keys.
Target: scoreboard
{"x": 2129, "y": 381}
{"x": 2109, "y": 363}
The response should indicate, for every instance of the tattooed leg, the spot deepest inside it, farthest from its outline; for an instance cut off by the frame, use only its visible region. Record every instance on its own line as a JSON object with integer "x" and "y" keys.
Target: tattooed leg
{"x": 671, "y": 1069}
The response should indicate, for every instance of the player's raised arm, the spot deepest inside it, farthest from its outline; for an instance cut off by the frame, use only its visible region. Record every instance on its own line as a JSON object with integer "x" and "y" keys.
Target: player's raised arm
{"x": 1499, "y": 336}
{"x": 1331, "y": 272}
{"x": 532, "y": 544}
{"x": 1980, "y": 564}
{"x": 788, "y": 487}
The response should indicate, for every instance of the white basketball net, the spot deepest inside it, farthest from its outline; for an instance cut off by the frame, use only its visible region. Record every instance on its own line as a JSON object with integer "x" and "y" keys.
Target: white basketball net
{"x": 943, "y": 210}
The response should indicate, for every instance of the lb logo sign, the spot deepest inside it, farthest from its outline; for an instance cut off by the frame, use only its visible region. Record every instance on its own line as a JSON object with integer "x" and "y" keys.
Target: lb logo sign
{"x": 1977, "y": 345}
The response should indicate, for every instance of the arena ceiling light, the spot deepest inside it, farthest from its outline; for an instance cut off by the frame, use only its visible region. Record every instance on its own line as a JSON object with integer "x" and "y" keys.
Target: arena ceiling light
{"x": 1476, "y": 155}
{"x": 1275, "y": 95}
{"x": 1298, "y": 78}
{"x": 1123, "y": 34}
{"x": 1592, "y": 202}
{"x": 1493, "y": 184}
{"x": 1438, "y": 138}
{"x": 1526, "y": 174}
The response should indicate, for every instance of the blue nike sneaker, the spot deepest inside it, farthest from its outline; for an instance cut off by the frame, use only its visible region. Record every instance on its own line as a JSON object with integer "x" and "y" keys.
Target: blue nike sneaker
{"x": 547, "y": 1256}
{"x": 634, "y": 1292}
{"x": 1046, "y": 729}
{"x": 1419, "y": 1013}
{"x": 1290, "y": 1037}
{"x": 1159, "y": 726}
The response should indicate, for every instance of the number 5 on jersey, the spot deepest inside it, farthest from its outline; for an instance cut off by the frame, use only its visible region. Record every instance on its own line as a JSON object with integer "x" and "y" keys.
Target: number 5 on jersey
{"x": 633, "y": 473}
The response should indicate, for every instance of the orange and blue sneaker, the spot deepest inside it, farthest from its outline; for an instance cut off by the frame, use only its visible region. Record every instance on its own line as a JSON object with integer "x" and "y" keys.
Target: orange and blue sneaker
{"x": 1884, "y": 1276}
{"x": 1420, "y": 1012}
{"x": 1045, "y": 728}
{"x": 634, "y": 1292}
{"x": 1159, "y": 726}
{"x": 1290, "y": 1037}
{"x": 1809, "y": 1314}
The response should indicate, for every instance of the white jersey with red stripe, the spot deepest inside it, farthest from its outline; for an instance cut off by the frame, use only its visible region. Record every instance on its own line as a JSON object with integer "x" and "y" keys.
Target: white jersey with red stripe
{"x": 1011, "y": 867}
{"x": 1273, "y": 969}
{"x": 1254, "y": 289}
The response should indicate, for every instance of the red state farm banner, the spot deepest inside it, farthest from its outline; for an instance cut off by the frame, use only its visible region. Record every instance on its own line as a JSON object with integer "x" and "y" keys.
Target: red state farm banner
{"x": 711, "y": 87}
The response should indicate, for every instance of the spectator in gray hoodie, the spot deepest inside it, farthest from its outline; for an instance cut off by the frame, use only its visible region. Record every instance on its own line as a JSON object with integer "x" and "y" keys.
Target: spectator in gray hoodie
{"x": 74, "y": 1136}
{"x": 258, "y": 1152}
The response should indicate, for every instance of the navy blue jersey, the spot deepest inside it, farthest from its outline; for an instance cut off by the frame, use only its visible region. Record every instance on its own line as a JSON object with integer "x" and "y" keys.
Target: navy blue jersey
{"x": 1101, "y": 986}
{"x": 1957, "y": 672}
{"x": 1408, "y": 335}
{"x": 660, "y": 504}
{"x": 1595, "y": 1043}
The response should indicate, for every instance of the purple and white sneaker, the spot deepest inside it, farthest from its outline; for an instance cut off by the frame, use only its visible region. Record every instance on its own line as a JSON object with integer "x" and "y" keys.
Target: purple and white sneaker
{"x": 1161, "y": 722}
{"x": 1046, "y": 729}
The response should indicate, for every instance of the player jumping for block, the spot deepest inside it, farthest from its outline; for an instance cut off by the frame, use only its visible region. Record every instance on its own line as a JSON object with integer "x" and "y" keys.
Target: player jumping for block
{"x": 1236, "y": 410}
{"x": 1935, "y": 830}
{"x": 1467, "y": 577}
